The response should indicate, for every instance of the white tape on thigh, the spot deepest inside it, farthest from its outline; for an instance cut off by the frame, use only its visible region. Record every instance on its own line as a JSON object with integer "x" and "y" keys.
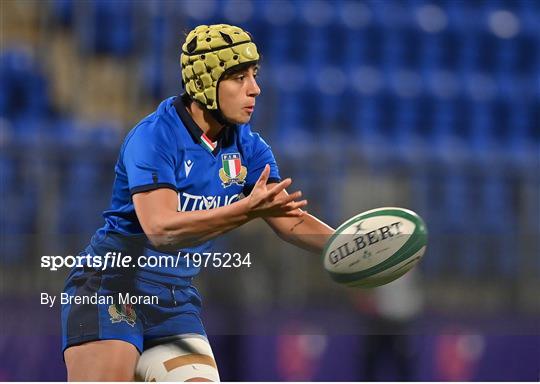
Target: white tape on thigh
{"x": 190, "y": 356}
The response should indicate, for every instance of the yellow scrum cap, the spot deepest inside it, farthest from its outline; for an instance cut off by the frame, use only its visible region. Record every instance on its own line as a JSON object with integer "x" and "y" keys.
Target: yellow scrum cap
{"x": 209, "y": 51}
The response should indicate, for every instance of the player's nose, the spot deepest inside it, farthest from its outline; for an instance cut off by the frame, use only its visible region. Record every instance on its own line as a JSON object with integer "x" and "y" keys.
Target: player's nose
{"x": 253, "y": 88}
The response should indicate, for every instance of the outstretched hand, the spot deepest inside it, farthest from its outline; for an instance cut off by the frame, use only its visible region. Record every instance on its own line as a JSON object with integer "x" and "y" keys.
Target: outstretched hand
{"x": 270, "y": 202}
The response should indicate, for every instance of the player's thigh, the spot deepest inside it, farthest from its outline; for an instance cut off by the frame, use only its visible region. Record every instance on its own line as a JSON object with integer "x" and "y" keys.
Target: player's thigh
{"x": 186, "y": 358}
{"x": 101, "y": 360}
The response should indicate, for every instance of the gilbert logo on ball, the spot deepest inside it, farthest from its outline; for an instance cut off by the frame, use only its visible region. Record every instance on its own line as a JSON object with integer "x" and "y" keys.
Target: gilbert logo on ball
{"x": 375, "y": 247}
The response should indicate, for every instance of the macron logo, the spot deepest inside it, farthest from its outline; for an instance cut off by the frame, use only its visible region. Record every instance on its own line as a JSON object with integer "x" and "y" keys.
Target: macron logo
{"x": 187, "y": 166}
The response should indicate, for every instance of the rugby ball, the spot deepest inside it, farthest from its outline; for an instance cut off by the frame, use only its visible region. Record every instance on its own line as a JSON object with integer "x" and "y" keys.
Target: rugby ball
{"x": 375, "y": 247}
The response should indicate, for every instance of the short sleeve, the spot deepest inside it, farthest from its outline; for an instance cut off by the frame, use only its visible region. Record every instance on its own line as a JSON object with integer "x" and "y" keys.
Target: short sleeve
{"x": 149, "y": 158}
{"x": 260, "y": 155}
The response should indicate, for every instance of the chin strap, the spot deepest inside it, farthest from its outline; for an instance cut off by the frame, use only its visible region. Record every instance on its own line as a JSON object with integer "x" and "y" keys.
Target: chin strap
{"x": 218, "y": 116}
{"x": 215, "y": 113}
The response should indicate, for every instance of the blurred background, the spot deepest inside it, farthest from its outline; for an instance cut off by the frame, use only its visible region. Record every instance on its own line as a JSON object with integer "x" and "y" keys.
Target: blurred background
{"x": 429, "y": 105}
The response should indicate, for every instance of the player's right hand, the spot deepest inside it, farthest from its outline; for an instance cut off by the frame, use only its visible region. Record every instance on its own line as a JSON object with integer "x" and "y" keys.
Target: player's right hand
{"x": 272, "y": 200}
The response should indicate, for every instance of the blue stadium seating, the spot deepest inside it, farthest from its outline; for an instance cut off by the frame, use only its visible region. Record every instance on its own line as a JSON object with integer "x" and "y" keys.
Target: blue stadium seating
{"x": 23, "y": 86}
{"x": 108, "y": 28}
{"x": 498, "y": 221}
{"x": 80, "y": 203}
{"x": 19, "y": 203}
{"x": 64, "y": 12}
{"x": 17, "y": 227}
{"x": 460, "y": 98}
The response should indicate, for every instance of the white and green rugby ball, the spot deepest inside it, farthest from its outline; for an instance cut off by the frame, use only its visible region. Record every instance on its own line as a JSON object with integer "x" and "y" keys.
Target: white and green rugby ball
{"x": 375, "y": 247}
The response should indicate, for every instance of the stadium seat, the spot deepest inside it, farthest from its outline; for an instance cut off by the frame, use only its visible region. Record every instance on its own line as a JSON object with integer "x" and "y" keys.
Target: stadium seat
{"x": 423, "y": 186}
{"x": 24, "y": 86}
{"x": 109, "y": 28}
{"x": 500, "y": 248}
{"x": 458, "y": 246}
{"x": 18, "y": 220}
{"x": 64, "y": 11}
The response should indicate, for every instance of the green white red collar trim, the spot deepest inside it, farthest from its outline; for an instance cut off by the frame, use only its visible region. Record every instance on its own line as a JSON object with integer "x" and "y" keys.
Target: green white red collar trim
{"x": 207, "y": 143}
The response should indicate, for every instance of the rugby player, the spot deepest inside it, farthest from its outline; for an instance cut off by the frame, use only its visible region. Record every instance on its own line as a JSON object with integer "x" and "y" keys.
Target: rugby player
{"x": 180, "y": 177}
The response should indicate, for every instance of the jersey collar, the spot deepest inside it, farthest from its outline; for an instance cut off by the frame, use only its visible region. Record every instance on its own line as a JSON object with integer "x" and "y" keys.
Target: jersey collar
{"x": 180, "y": 104}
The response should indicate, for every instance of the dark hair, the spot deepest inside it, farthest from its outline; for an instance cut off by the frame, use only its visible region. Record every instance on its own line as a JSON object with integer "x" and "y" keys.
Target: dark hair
{"x": 238, "y": 69}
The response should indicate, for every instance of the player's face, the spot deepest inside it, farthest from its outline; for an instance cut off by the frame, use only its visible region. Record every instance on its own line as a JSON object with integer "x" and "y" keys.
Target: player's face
{"x": 237, "y": 95}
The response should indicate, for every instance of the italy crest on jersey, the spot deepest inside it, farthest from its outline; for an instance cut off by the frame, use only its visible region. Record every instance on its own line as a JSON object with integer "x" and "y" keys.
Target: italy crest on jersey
{"x": 232, "y": 172}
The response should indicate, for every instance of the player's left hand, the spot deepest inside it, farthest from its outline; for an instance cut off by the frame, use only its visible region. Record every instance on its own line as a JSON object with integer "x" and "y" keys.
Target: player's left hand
{"x": 265, "y": 202}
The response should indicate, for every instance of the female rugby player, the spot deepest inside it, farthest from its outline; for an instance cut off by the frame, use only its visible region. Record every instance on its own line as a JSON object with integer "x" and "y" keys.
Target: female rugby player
{"x": 179, "y": 178}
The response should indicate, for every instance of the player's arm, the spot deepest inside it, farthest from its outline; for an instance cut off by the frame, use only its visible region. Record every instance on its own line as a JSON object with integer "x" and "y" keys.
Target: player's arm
{"x": 305, "y": 231}
{"x": 167, "y": 228}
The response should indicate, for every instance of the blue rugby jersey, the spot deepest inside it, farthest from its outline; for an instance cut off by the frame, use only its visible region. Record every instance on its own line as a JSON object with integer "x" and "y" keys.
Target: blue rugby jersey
{"x": 168, "y": 150}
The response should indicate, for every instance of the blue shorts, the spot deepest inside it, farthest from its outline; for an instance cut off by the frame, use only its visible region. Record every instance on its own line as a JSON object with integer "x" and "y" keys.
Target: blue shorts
{"x": 107, "y": 305}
